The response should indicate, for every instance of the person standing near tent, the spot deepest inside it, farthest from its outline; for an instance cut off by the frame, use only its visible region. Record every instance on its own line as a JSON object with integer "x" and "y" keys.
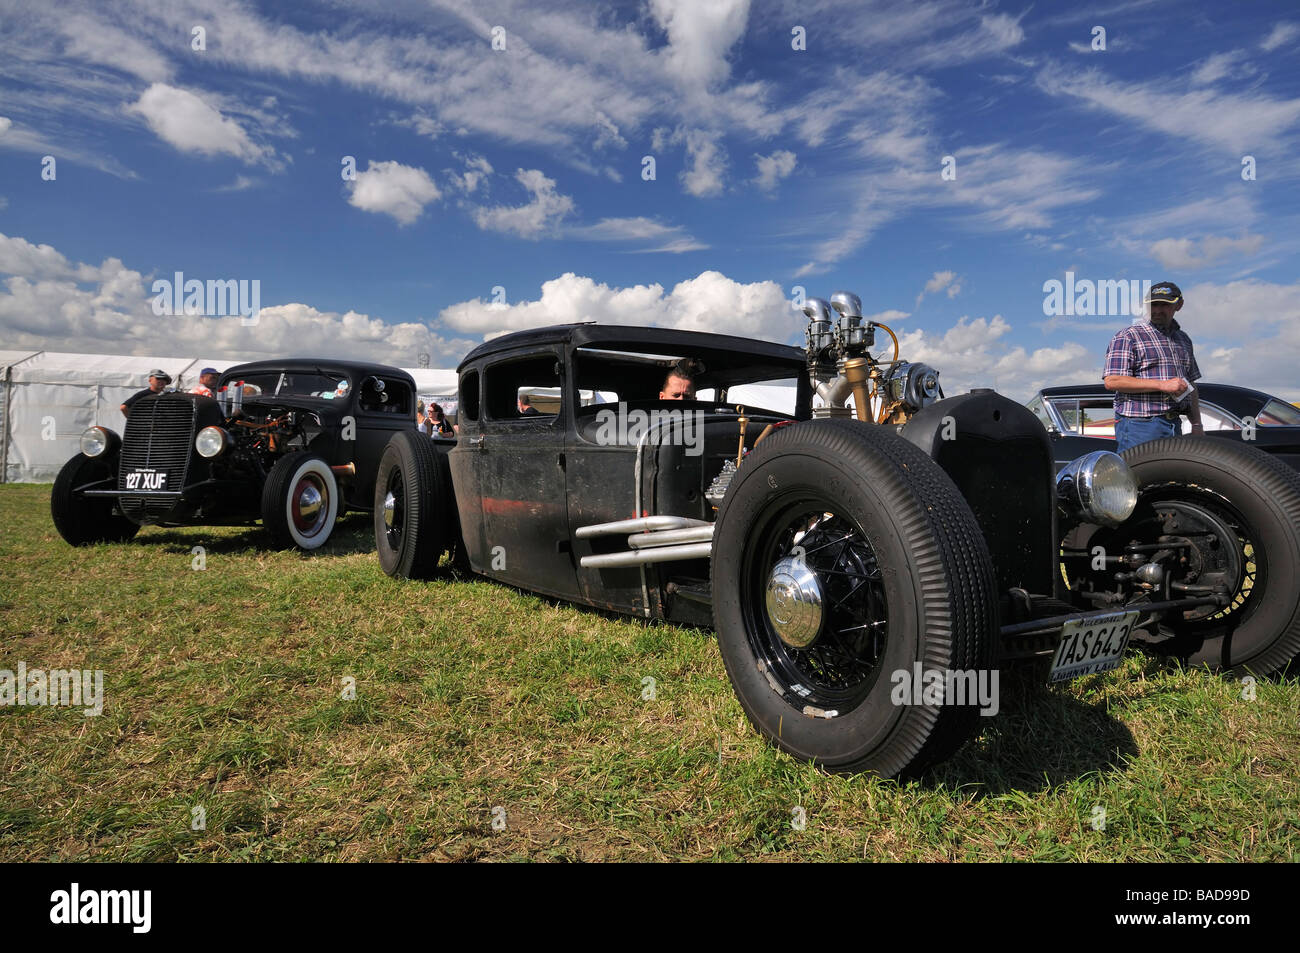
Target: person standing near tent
{"x": 158, "y": 380}
{"x": 208, "y": 378}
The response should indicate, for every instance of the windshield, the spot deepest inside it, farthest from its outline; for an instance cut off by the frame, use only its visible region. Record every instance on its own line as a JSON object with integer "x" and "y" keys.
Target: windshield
{"x": 293, "y": 384}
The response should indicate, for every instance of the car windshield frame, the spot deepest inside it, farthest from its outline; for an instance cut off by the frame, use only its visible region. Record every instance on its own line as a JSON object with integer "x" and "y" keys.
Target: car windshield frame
{"x": 273, "y": 383}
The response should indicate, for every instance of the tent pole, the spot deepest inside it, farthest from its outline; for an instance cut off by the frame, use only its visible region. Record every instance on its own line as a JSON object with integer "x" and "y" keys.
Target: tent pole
{"x": 4, "y": 426}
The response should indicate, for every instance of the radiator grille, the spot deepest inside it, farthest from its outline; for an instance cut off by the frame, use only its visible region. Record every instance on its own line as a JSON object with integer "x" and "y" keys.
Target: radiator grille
{"x": 159, "y": 434}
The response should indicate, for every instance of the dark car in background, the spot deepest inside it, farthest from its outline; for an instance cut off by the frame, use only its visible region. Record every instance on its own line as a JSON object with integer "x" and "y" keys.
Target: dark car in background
{"x": 1081, "y": 418}
{"x": 290, "y": 442}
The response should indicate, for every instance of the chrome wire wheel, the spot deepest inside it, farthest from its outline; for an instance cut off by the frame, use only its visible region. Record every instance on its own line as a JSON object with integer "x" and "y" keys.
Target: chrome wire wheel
{"x": 815, "y": 604}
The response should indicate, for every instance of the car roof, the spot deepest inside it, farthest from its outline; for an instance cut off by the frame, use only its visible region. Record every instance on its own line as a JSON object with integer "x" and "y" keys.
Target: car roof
{"x": 628, "y": 337}
{"x": 1227, "y": 396}
{"x": 352, "y": 368}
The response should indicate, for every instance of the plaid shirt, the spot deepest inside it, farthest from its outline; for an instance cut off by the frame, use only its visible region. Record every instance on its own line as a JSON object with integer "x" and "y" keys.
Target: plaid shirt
{"x": 1142, "y": 350}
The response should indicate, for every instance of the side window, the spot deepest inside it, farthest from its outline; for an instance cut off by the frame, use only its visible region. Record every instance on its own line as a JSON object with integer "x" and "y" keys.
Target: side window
{"x": 1098, "y": 418}
{"x": 469, "y": 395}
{"x": 520, "y": 389}
{"x": 384, "y": 395}
{"x": 1216, "y": 418}
{"x": 1069, "y": 414}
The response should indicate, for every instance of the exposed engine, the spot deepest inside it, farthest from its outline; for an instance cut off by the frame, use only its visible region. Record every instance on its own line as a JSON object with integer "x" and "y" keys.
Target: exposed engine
{"x": 840, "y": 365}
{"x": 254, "y": 436}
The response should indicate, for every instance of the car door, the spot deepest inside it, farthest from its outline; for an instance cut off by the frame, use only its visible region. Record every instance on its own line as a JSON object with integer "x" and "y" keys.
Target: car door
{"x": 520, "y": 461}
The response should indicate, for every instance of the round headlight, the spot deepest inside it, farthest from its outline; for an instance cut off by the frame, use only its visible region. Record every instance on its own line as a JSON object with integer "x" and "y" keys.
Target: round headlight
{"x": 1100, "y": 487}
{"x": 211, "y": 441}
{"x": 95, "y": 442}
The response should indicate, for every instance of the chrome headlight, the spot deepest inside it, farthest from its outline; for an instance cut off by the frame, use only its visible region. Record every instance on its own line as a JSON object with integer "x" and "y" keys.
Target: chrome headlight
{"x": 98, "y": 441}
{"x": 211, "y": 442}
{"x": 1099, "y": 487}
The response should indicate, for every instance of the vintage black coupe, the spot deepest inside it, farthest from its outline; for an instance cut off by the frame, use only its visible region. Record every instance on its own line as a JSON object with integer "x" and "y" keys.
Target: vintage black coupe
{"x": 840, "y": 551}
{"x": 1081, "y": 419}
{"x": 289, "y": 442}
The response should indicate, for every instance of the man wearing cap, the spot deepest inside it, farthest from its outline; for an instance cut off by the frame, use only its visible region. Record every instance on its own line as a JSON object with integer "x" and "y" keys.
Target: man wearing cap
{"x": 158, "y": 379}
{"x": 207, "y": 382}
{"x": 1150, "y": 366}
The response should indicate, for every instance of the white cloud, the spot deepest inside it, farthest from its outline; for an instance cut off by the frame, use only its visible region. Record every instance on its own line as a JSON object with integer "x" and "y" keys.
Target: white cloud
{"x": 1218, "y": 66}
{"x": 709, "y": 302}
{"x": 664, "y": 238}
{"x": 241, "y": 183}
{"x": 996, "y": 34}
{"x": 477, "y": 169}
{"x": 703, "y": 176}
{"x": 700, "y": 35}
{"x": 391, "y": 188}
{"x": 49, "y": 302}
{"x": 1281, "y": 34}
{"x": 187, "y": 121}
{"x": 772, "y": 169}
{"x": 1188, "y": 253}
{"x": 540, "y": 215}
{"x": 972, "y": 354}
{"x": 941, "y": 281}
{"x": 1239, "y": 122}
{"x": 5, "y": 123}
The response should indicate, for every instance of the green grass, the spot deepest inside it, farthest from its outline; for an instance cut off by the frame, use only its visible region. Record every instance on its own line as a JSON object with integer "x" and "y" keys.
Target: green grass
{"x": 223, "y": 691}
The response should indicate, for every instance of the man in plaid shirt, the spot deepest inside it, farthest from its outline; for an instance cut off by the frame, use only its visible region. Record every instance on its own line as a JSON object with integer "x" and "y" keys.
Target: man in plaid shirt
{"x": 1150, "y": 367}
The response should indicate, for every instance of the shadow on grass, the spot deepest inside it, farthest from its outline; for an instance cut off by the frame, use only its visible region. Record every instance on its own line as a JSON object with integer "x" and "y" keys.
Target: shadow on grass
{"x": 1040, "y": 738}
{"x": 353, "y": 533}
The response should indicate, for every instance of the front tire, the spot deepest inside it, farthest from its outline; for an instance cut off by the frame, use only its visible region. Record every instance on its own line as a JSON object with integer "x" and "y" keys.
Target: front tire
{"x": 861, "y": 522}
{"x": 1257, "y": 497}
{"x": 300, "y": 502}
{"x": 84, "y": 521}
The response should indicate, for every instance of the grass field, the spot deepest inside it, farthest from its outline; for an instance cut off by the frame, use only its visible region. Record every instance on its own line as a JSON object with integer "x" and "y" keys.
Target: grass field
{"x": 223, "y": 692}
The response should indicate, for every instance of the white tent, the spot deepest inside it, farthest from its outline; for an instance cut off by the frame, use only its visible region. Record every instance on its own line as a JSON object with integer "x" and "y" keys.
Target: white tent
{"x": 48, "y": 398}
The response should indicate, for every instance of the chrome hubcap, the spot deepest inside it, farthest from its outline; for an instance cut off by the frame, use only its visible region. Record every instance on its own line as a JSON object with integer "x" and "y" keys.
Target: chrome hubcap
{"x": 310, "y": 503}
{"x": 794, "y": 602}
{"x": 390, "y": 509}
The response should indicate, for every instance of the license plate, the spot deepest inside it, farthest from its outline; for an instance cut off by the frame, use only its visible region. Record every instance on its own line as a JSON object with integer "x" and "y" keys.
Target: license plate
{"x": 146, "y": 480}
{"x": 1090, "y": 646}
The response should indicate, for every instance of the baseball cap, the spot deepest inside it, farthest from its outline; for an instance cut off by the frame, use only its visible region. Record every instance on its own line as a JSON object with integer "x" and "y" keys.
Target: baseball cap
{"x": 159, "y": 373}
{"x": 208, "y": 370}
{"x": 1165, "y": 291}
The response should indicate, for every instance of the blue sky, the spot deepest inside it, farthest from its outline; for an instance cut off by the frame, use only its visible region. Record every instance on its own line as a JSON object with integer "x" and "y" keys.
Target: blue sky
{"x": 776, "y": 168}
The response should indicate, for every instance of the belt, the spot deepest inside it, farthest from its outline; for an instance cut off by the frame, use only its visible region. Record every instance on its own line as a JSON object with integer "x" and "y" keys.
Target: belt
{"x": 1167, "y": 415}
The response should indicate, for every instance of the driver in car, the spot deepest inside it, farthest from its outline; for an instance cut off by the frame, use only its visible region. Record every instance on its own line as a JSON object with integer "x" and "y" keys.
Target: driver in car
{"x": 679, "y": 384}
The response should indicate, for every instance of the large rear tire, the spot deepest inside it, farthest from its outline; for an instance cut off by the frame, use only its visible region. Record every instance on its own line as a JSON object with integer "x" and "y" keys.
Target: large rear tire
{"x": 300, "y": 501}
{"x": 415, "y": 521}
{"x": 857, "y": 519}
{"x": 81, "y": 520}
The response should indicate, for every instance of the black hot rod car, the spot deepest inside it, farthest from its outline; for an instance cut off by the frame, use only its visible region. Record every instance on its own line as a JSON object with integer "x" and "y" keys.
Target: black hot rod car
{"x": 290, "y": 442}
{"x": 836, "y": 550}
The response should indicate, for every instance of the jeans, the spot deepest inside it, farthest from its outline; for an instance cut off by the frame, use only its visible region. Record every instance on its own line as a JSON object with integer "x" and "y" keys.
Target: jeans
{"x": 1131, "y": 431}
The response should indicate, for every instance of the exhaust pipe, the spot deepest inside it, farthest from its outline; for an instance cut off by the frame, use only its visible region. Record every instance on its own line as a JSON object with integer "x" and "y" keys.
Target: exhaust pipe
{"x": 657, "y": 554}
{"x": 643, "y": 524}
{"x": 696, "y": 534}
